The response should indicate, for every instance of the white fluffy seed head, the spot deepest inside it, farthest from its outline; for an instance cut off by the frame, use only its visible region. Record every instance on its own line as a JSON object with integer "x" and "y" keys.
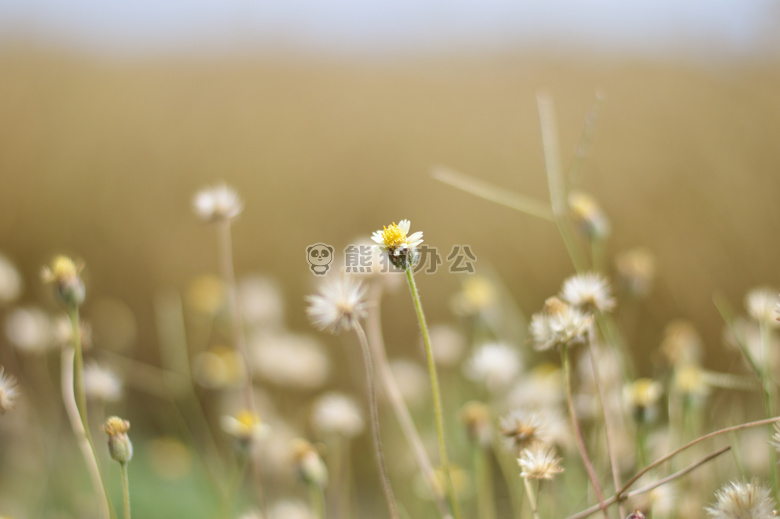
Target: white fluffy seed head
{"x": 741, "y": 500}
{"x": 588, "y": 292}
{"x": 339, "y": 305}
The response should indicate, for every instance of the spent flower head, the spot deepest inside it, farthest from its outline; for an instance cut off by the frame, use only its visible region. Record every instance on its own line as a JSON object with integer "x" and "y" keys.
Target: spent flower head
{"x": 523, "y": 429}
{"x": 559, "y": 324}
{"x": 742, "y": 500}
{"x": 339, "y": 305}
{"x": 217, "y": 203}
{"x": 539, "y": 462}
{"x": 635, "y": 271}
{"x": 64, "y": 274}
{"x": 9, "y": 391}
{"x": 400, "y": 247}
{"x": 588, "y": 292}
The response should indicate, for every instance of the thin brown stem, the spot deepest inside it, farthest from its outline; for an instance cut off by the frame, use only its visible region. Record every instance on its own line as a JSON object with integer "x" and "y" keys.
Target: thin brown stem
{"x": 652, "y": 486}
{"x": 691, "y": 443}
{"x": 369, "y": 368}
{"x": 608, "y": 424}
{"x": 578, "y": 432}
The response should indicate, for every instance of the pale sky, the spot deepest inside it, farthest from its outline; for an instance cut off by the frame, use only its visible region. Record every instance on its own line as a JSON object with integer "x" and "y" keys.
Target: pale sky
{"x": 702, "y": 27}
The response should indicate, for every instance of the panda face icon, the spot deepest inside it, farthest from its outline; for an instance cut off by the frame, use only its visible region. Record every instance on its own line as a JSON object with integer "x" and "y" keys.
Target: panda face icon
{"x": 319, "y": 256}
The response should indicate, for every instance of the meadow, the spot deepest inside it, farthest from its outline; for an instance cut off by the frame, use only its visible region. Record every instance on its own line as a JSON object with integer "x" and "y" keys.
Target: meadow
{"x": 101, "y": 158}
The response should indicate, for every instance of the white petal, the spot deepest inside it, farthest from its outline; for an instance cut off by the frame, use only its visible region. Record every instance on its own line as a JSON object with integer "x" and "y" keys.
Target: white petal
{"x": 404, "y": 225}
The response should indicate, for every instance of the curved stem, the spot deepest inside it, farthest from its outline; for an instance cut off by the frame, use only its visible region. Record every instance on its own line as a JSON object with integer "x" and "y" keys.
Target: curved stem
{"x": 691, "y": 443}
{"x": 393, "y": 394}
{"x": 369, "y": 368}
{"x": 650, "y": 487}
{"x": 578, "y": 432}
{"x": 435, "y": 390}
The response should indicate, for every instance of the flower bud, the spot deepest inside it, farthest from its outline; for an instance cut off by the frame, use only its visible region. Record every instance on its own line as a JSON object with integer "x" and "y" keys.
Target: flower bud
{"x": 64, "y": 275}
{"x": 311, "y": 468}
{"x": 119, "y": 444}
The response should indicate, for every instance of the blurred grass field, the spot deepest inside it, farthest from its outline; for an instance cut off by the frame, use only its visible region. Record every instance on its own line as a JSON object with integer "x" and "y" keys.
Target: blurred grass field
{"x": 100, "y": 158}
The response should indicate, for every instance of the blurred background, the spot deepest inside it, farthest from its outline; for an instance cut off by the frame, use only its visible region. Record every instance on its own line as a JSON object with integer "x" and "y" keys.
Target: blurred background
{"x": 327, "y": 116}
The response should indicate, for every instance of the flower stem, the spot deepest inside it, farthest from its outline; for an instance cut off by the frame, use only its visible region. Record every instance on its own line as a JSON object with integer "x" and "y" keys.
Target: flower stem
{"x": 317, "y": 497}
{"x": 532, "y": 497}
{"x": 393, "y": 394}
{"x": 435, "y": 390}
{"x": 78, "y": 369}
{"x": 369, "y": 368}
{"x": 608, "y": 423}
{"x": 484, "y": 477}
{"x": 578, "y": 432}
{"x": 229, "y": 277}
{"x": 84, "y": 441}
{"x": 622, "y": 497}
{"x": 126, "y": 489}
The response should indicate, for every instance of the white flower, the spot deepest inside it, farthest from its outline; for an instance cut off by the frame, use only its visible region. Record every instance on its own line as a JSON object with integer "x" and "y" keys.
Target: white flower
{"x": 217, "y": 203}
{"x": 337, "y": 413}
{"x": 738, "y": 500}
{"x": 494, "y": 364}
{"x": 245, "y": 426}
{"x": 261, "y": 302}
{"x": 447, "y": 343}
{"x": 538, "y": 462}
{"x": 399, "y": 245}
{"x": 558, "y": 324}
{"x": 10, "y": 281}
{"x": 9, "y": 391}
{"x": 588, "y": 292}
{"x": 29, "y": 329}
{"x": 340, "y": 305}
{"x": 290, "y": 360}
{"x": 761, "y": 304}
{"x": 412, "y": 381}
{"x": 101, "y": 383}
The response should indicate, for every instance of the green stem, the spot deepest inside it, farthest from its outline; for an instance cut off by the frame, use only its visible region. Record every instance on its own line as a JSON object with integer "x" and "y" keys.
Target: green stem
{"x": 435, "y": 390}
{"x": 484, "y": 476}
{"x": 78, "y": 369}
{"x": 126, "y": 490}
{"x": 532, "y": 497}
{"x": 317, "y": 496}
{"x": 767, "y": 384}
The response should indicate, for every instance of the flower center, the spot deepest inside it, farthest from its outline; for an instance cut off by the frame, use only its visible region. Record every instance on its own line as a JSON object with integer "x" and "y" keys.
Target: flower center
{"x": 393, "y": 236}
{"x": 247, "y": 419}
